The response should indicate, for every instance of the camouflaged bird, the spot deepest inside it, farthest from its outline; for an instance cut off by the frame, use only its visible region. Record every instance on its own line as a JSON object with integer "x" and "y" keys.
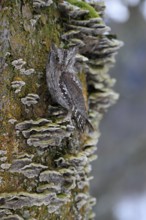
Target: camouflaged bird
{"x": 64, "y": 86}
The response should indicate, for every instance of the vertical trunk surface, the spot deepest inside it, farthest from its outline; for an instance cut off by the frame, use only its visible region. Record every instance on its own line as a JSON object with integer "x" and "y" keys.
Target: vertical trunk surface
{"x": 44, "y": 160}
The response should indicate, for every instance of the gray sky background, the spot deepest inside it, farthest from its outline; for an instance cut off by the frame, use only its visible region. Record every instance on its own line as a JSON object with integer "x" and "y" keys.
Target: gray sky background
{"x": 120, "y": 171}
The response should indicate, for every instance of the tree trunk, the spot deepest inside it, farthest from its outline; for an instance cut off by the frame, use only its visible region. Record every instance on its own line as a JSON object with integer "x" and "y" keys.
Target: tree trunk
{"x": 44, "y": 160}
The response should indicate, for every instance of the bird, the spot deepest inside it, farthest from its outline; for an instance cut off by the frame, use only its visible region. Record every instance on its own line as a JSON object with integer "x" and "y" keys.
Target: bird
{"x": 64, "y": 85}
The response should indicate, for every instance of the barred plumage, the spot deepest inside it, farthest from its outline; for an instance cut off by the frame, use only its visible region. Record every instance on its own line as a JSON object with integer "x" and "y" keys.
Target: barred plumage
{"x": 63, "y": 84}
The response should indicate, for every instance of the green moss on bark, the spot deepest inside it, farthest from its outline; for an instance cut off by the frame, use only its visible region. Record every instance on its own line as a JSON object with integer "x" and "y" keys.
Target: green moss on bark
{"x": 85, "y": 6}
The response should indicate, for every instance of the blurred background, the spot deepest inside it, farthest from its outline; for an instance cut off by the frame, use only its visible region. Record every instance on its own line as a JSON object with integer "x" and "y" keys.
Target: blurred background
{"x": 120, "y": 171}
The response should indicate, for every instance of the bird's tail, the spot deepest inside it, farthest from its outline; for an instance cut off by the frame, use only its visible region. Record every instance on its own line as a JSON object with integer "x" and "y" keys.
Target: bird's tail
{"x": 82, "y": 122}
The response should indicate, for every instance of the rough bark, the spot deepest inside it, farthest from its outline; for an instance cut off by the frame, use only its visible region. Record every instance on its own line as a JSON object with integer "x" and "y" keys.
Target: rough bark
{"x": 44, "y": 160}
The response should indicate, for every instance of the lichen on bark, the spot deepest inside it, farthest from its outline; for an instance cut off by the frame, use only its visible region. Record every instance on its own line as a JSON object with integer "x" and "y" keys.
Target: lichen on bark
{"x": 44, "y": 160}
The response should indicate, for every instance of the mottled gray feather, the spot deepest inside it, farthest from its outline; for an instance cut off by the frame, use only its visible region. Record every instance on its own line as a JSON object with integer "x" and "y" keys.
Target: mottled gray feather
{"x": 63, "y": 84}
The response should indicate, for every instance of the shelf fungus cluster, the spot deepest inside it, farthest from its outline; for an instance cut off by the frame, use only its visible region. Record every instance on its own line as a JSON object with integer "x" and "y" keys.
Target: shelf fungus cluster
{"x": 41, "y": 3}
{"x": 47, "y": 186}
{"x": 50, "y": 164}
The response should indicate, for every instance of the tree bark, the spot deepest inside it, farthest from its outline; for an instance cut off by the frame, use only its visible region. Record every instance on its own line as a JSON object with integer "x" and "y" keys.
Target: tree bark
{"x": 44, "y": 160}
